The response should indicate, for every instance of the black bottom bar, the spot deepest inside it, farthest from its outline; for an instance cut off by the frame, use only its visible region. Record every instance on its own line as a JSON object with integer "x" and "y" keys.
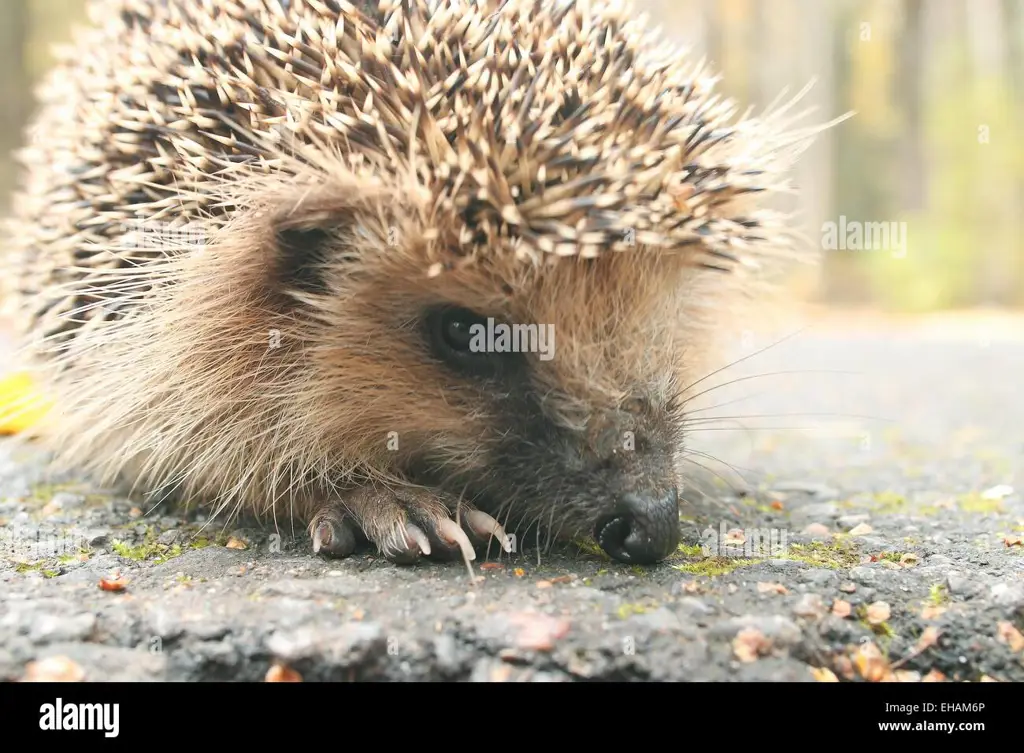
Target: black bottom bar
{"x": 240, "y": 713}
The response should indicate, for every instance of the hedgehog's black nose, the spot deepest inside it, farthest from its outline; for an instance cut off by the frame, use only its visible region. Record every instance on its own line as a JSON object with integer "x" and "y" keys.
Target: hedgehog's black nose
{"x": 643, "y": 529}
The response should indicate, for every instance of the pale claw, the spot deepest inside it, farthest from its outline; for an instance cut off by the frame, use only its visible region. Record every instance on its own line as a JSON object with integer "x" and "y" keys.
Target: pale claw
{"x": 484, "y": 525}
{"x": 333, "y": 537}
{"x": 450, "y": 530}
{"x": 418, "y": 537}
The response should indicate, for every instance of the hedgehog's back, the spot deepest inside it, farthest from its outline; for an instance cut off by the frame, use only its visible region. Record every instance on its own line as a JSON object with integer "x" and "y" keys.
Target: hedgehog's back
{"x": 139, "y": 112}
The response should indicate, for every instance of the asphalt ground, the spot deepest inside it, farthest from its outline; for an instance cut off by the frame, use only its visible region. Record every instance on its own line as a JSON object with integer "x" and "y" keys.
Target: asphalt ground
{"x": 855, "y": 512}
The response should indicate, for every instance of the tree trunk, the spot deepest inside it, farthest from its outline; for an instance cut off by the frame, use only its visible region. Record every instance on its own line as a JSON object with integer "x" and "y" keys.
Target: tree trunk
{"x": 1013, "y": 13}
{"x": 911, "y": 95}
{"x": 15, "y": 87}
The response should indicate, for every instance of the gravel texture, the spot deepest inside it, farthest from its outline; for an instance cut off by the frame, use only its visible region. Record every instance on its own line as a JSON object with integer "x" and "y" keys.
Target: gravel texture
{"x": 878, "y": 485}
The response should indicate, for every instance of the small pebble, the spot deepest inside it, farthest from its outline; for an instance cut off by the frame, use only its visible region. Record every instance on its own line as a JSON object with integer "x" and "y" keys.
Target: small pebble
{"x": 810, "y": 605}
{"x": 807, "y": 487}
{"x": 817, "y": 530}
{"x": 960, "y": 584}
{"x": 66, "y": 500}
{"x": 1008, "y": 594}
{"x": 849, "y": 522}
{"x": 816, "y": 512}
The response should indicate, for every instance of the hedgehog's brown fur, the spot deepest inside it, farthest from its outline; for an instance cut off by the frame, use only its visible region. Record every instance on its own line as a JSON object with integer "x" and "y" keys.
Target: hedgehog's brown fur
{"x": 347, "y": 168}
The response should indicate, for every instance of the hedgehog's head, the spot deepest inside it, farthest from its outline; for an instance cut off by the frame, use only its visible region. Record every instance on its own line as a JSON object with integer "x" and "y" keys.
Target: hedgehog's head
{"x": 504, "y": 301}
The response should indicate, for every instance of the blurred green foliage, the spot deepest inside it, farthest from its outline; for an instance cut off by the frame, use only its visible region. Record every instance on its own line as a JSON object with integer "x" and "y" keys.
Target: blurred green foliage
{"x": 965, "y": 247}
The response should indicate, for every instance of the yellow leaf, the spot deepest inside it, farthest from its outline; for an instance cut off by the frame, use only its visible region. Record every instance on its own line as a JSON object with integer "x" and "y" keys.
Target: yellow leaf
{"x": 870, "y": 663}
{"x": 21, "y": 404}
{"x": 823, "y": 674}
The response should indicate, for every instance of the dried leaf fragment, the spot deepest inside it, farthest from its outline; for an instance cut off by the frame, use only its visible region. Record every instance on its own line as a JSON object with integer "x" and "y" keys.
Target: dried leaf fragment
{"x": 749, "y": 644}
{"x": 734, "y": 537}
{"x": 929, "y": 638}
{"x": 870, "y": 663}
{"x": 823, "y": 674}
{"x": 500, "y": 673}
{"x": 841, "y": 608}
{"x": 114, "y": 582}
{"x": 538, "y": 632}
{"x": 53, "y": 669}
{"x": 234, "y": 543}
{"x": 1010, "y": 635}
{"x": 878, "y": 613}
{"x": 282, "y": 673}
{"x": 844, "y": 667}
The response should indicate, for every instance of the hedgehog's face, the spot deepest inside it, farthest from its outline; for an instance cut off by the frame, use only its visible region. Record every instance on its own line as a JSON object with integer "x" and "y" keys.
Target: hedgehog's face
{"x": 569, "y": 419}
{"x": 548, "y": 396}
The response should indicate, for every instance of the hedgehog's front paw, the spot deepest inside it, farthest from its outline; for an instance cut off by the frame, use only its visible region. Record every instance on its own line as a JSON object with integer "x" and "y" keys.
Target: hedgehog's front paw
{"x": 404, "y": 524}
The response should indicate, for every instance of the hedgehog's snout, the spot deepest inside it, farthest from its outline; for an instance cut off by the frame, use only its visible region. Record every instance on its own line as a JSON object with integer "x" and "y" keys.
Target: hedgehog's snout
{"x": 643, "y": 528}
{"x": 638, "y": 519}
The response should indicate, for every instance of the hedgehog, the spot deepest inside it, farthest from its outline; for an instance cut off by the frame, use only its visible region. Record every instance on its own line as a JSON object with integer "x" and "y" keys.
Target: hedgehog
{"x": 422, "y": 275}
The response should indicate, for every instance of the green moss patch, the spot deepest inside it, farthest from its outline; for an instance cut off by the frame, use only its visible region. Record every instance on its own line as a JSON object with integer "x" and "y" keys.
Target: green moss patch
{"x": 835, "y": 556}
{"x": 714, "y": 566}
{"x": 888, "y": 503}
{"x": 938, "y": 595}
{"x": 46, "y": 492}
{"x": 590, "y": 546}
{"x": 628, "y": 610}
{"x": 975, "y": 503}
{"x": 150, "y": 550}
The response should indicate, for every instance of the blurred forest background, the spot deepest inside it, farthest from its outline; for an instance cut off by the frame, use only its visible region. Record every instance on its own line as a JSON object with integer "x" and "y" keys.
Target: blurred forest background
{"x": 936, "y": 145}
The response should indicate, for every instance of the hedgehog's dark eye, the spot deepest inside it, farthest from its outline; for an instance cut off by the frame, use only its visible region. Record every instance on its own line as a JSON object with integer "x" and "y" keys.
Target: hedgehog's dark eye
{"x": 459, "y": 327}
{"x": 459, "y": 337}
